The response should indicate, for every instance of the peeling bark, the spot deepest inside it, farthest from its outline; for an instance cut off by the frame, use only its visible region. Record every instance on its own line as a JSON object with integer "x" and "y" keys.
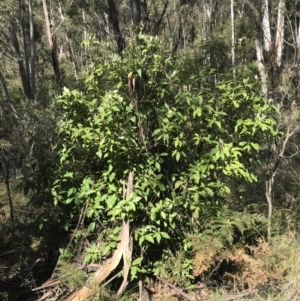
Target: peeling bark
{"x": 261, "y": 65}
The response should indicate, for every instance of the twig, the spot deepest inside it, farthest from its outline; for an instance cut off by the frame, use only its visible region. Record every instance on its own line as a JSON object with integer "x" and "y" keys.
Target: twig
{"x": 178, "y": 290}
{"x": 239, "y": 295}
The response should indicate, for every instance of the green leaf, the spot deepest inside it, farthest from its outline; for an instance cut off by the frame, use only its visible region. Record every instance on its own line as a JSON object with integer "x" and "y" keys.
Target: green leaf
{"x": 91, "y": 227}
{"x": 149, "y": 238}
{"x": 137, "y": 261}
{"x": 111, "y": 200}
{"x": 158, "y": 237}
{"x": 255, "y": 146}
{"x": 165, "y": 235}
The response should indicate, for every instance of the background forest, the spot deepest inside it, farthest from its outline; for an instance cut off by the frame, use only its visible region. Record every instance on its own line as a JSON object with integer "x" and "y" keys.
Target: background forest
{"x": 149, "y": 150}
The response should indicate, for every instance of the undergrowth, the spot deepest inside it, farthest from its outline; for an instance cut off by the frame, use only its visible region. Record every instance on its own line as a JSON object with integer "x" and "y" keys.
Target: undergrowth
{"x": 228, "y": 258}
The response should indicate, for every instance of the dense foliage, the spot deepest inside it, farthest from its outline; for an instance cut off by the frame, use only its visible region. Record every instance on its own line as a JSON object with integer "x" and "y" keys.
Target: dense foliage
{"x": 184, "y": 143}
{"x": 196, "y": 101}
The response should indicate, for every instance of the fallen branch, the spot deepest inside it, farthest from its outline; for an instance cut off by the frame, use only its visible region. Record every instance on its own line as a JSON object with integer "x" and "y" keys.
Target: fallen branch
{"x": 239, "y": 295}
{"x": 178, "y": 290}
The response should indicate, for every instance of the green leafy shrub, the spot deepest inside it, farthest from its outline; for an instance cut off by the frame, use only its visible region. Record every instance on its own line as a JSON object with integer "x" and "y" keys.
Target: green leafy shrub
{"x": 183, "y": 142}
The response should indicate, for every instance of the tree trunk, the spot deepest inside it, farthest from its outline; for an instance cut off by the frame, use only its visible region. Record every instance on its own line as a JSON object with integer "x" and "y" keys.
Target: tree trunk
{"x": 84, "y": 39}
{"x": 261, "y": 64}
{"x": 136, "y": 12}
{"x": 145, "y": 16}
{"x": 206, "y": 26}
{"x": 232, "y": 37}
{"x": 159, "y": 20}
{"x": 115, "y": 22}
{"x": 280, "y": 149}
{"x": 72, "y": 56}
{"x": 25, "y": 48}
{"x": 266, "y": 26}
{"x": 32, "y": 51}
{"x": 296, "y": 64}
{"x": 52, "y": 44}
{"x": 7, "y": 96}
{"x": 19, "y": 60}
{"x": 6, "y": 175}
{"x": 280, "y": 33}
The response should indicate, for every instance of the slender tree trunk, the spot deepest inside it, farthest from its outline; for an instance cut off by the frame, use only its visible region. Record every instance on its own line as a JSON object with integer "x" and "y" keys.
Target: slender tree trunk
{"x": 84, "y": 37}
{"x": 32, "y": 51}
{"x": 280, "y": 149}
{"x": 266, "y": 26}
{"x": 19, "y": 60}
{"x": 296, "y": 64}
{"x": 25, "y": 47}
{"x": 69, "y": 43}
{"x": 7, "y": 96}
{"x": 115, "y": 22}
{"x": 160, "y": 19}
{"x": 261, "y": 64}
{"x": 136, "y": 12}
{"x": 145, "y": 16}
{"x": 5, "y": 168}
{"x": 269, "y": 197}
{"x": 72, "y": 55}
{"x": 280, "y": 33}
{"x": 232, "y": 37}
{"x": 52, "y": 44}
{"x": 263, "y": 42}
{"x": 206, "y": 27}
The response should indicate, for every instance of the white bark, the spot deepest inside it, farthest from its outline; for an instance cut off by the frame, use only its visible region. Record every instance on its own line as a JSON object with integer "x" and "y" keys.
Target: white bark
{"x": 52, "y": 43}
{"x": 206, "y": 27}
{"x": 84, "y": 35}
{"x": 232, "y": 37}
{"x": 261, "y": 65}
{"x": 266, "y": 26}
{"x": 298, "y": 35}
{"x": 32, "y": 51}
{"x": 72, "y": 55}
{"x": 280, "y": 32}
{"x": 48, "y": 25}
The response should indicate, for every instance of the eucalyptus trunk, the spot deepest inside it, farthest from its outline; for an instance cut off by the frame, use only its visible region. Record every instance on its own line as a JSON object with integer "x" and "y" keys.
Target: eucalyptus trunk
{"x": 32, "y": 50}
{"x": 52, "y": 44}
{"x": 232, "y": 37}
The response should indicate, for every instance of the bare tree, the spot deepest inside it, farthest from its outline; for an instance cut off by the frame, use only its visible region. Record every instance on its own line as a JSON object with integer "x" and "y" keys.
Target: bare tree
{"x": 269, "y": 61}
